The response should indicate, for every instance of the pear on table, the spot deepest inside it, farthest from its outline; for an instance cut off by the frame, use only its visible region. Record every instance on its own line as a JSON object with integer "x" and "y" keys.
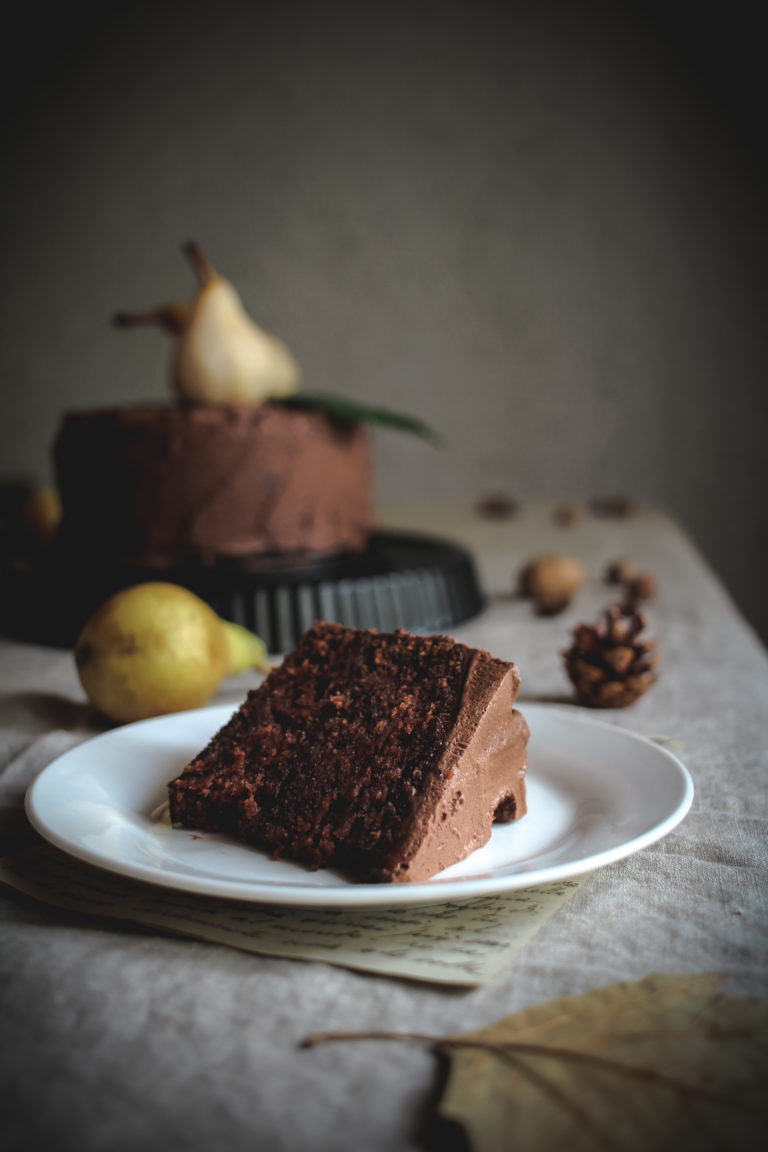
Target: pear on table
{"x": 156, "y": 648}
{"x": 221, "y": 356}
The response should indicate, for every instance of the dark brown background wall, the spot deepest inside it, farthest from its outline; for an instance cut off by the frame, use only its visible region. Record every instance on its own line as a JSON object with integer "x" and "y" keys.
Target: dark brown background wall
{"x": 540, "y": 227}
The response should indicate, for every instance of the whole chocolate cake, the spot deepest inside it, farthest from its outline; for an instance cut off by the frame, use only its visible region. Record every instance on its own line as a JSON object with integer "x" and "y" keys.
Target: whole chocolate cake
{"x": 386, "y": 755}
{"x": 230, "y": 469}
{"x": 156, "y": 485}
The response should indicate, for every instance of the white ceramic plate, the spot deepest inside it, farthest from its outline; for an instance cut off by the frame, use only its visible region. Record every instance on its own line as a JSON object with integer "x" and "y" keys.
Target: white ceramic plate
{"x": 596, "y": 793}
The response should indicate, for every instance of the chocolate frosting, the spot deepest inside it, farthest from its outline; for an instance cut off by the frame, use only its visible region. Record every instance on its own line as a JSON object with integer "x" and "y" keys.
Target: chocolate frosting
{"x": 153, "y": 485}
{"x": 480, "y": 777}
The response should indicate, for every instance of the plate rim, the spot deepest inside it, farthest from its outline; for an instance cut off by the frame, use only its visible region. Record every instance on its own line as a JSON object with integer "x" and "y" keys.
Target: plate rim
{"x": 432, "y": 891}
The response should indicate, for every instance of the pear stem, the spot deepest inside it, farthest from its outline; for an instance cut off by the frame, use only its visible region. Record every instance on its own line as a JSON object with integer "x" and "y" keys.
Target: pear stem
{"x": 168, "y": 316}
{"x": 199, "y": 262}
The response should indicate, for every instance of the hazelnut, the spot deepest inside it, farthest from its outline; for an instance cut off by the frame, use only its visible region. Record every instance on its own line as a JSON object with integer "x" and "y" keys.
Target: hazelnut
{"x": 552, "y": 580}
{"x": 566, "y": 515}
{"x": 641, "y": 586}
{"x": 497, "y": 506}
{"x": 618, "y": 507}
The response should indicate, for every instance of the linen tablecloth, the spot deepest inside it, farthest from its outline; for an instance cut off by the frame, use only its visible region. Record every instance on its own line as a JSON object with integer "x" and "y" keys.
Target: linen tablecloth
{"x": 115, "y": 1036}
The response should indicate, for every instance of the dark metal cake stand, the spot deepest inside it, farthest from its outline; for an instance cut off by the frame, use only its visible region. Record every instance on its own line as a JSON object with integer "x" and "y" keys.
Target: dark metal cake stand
{"x": 401, "y": 580}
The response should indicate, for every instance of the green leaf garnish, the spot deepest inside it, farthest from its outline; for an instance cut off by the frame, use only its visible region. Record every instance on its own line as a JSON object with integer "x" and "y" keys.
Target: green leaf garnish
{"x": 341, "y": 408}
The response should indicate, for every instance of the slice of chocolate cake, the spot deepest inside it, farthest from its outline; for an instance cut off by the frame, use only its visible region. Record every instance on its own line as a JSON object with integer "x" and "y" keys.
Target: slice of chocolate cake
{"x": 386, "y": 755}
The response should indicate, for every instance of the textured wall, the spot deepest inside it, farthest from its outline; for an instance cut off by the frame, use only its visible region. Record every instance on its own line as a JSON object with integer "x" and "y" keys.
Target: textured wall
{"x": 540, "y": 227}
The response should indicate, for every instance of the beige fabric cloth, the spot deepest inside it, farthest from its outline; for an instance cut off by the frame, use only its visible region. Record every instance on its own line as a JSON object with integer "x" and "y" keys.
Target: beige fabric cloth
{"x": 116, "y": 1038}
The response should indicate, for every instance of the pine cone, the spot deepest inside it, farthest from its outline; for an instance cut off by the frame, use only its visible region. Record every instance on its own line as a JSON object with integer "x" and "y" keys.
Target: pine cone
{"x": 607, "y": 663}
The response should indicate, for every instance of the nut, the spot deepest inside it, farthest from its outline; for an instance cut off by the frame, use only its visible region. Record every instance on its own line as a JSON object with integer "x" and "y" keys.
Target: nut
{"x": 616, "y": 507}
{"x": 566, "y": 515}
{"x": 552, "y": 581}
{"x": 497, "y": 506}
{"x": 641, "y": 586}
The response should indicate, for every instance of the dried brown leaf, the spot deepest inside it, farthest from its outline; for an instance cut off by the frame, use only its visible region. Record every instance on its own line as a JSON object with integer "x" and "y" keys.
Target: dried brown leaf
{"x": 666, "y": 1063}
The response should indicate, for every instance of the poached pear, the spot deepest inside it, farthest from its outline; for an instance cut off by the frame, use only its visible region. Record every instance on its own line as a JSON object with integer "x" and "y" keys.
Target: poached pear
{"x": 221, "y": 356}
{"x": 156, "y": 648}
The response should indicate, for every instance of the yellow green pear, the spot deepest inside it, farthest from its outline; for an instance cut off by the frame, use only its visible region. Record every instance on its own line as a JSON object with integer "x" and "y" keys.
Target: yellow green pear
{"x": 156, "y": 648}
{"x": 220, "y": 356}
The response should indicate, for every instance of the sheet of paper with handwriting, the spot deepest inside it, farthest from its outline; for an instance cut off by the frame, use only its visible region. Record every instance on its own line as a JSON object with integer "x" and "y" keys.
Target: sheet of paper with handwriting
{"x": 461, "y": 943}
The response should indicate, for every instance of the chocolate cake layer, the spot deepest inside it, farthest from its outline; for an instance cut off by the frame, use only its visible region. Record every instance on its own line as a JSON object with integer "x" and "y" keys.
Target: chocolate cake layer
{"x": 388, "y": 755}
{"x": 154, "y": 485}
